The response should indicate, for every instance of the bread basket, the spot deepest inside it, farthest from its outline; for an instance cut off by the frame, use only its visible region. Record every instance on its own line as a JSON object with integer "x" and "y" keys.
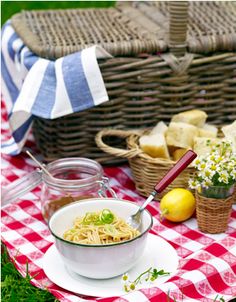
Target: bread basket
{"x": 146, "y": 171}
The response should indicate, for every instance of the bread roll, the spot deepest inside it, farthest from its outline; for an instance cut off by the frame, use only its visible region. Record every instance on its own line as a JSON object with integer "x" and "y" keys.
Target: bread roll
{"x": 208, "y": 131}
{"x": 194, "y": 117}
{"x": 160, "y": 127}
{"x": 230, "y": 133}
{"x": 181, "y": 135}
{"x": 154, "y": 145}
{"x": 172, "y": 149}
{"x": 203, "y": 145}
{"x": 178, "y": 153}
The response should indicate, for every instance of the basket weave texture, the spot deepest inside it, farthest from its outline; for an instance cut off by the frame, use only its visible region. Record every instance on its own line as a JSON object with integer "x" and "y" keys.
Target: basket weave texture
{"x": 146, "y": 171}
{"x": 55, "y": 33}
{"x": 213, "y": 214}
{"x": 168, "y": 57}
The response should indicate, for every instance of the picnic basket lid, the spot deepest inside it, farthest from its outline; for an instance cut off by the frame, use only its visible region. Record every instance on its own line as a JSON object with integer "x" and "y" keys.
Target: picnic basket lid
{"x": 55, "y": 33}
{"x": 131, "y": 28}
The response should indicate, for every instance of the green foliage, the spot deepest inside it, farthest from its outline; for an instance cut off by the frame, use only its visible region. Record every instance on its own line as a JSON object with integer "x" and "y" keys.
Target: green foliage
{"x": 150, "y": 274}
{"x": 9, "y": 8}
{"x": 16, "y": 288}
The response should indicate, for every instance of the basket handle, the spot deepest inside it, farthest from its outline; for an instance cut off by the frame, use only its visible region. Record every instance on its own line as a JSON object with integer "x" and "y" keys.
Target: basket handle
{"x": 116, "y": 151}
{"x": 178, "y": 26}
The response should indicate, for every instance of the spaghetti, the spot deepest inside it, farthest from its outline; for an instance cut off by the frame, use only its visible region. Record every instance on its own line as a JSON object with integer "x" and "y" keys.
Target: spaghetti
{"x": 102, "y": 227}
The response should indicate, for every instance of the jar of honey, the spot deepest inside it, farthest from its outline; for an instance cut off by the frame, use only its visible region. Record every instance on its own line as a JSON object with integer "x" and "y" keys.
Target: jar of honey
{"x": 68, "y": 180}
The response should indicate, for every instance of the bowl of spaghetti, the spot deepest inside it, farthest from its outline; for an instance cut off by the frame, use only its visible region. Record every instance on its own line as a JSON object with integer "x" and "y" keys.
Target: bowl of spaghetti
{"x": 94, "y": 240}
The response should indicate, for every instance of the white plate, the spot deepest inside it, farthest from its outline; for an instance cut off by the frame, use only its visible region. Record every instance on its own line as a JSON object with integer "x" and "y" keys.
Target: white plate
{"x": 158, "y": 254}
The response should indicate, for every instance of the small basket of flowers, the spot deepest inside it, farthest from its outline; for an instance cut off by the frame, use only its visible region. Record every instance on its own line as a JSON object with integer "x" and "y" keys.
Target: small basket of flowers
{"x": 214, "y": 182}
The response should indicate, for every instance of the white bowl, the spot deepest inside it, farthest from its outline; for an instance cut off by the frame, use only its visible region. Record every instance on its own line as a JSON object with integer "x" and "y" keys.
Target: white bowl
{"x": 99, "y": 261}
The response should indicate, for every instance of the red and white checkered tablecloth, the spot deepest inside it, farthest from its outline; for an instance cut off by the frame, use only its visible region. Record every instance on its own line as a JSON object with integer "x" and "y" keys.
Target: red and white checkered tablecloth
{"x": 207, "y": 268}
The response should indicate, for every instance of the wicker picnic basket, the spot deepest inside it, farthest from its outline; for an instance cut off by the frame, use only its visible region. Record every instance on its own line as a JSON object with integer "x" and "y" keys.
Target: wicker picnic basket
{"x": 167, "y": 57}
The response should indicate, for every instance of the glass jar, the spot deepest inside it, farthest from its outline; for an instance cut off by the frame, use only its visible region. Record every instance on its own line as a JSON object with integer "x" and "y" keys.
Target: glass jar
{"x": 217, "y": 192}
{"x": 68, "y": 180}
{"x": 73, "y": 179}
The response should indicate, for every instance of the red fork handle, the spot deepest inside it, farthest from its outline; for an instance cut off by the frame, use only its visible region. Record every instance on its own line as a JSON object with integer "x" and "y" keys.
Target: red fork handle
{"x": 183, "y": 162}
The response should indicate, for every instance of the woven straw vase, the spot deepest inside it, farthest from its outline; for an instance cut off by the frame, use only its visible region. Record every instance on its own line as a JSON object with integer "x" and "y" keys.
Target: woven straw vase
{"x": 213, "y": 214}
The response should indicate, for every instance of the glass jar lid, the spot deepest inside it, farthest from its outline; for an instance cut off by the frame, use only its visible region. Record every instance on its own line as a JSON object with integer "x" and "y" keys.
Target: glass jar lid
{"x": 68, "y": 173}
{"x": 74, "y": 172}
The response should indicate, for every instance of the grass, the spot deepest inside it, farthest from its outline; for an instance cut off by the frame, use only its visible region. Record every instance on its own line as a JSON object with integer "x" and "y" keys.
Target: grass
{"x": 16, "y": 288}
{"x": 9, "y": 8}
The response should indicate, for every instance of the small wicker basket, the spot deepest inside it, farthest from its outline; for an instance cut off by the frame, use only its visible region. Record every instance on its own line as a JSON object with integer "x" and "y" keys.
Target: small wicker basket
{"x": 213, "y": 214}
{"x": 146, "y": 170}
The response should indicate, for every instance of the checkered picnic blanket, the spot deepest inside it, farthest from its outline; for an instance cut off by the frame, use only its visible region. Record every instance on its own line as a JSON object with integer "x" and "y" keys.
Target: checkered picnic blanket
{"x": 207, "y": 267}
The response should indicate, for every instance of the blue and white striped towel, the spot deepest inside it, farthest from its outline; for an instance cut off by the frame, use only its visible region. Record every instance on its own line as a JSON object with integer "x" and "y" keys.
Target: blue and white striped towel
{"x": 33, "y": 86}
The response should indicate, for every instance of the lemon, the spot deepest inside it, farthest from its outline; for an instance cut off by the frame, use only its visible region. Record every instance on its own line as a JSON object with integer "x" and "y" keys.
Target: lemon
{"x": 177, "y": 205}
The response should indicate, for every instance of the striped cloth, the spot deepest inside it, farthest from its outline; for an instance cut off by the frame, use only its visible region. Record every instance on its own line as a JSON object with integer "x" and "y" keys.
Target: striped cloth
{"x": 34, "y": 86}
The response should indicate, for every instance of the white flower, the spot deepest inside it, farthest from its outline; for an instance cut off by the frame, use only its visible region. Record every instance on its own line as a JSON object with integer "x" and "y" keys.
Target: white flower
{"x": 207, "y": 183}
{"x": 224, "y": 177}
{"x": 209, "y": 173}
{"x": 193, "y": 184}
{"x": 216, "y": 168}
{"x": 126, "y": 287}
{"x": 125, "y": 278}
